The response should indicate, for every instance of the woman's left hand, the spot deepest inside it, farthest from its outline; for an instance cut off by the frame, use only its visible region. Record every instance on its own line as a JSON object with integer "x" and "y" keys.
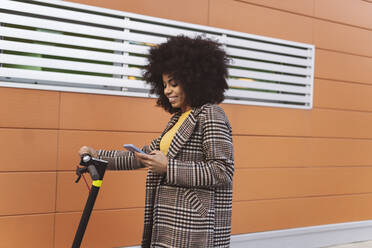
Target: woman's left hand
{"x": 155, "y": 160}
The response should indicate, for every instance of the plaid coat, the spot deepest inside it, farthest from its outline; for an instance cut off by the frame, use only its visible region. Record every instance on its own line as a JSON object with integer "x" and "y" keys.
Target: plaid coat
{"x": 191, "y": 205}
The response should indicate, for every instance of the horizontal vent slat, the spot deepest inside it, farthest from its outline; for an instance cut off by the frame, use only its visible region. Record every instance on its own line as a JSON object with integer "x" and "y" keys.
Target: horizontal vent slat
{"x": 266, "y": 96}
{"x": 69, "y": 78}
{"x": 60, "y": 26}
{"x": 269, "y": 76}
{"x": 268, "y": 57}
{"x": 270, "y": 67}
{"x": 259, "y": 102}
{"x": 266, "y": 47}
{"x": 74, "y": 89}
{"x": 269, "y": 86}
{"x": 67, "y": 65}
{"x": 74, "y": 53}
{"x": 60, "y": 39}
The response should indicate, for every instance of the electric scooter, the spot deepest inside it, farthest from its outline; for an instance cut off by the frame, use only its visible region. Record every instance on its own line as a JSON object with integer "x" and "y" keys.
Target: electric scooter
{"x": 96, "y": 168}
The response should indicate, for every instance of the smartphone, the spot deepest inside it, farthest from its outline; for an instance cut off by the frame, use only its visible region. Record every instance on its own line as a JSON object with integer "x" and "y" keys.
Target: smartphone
{"x": 133, "y": 148}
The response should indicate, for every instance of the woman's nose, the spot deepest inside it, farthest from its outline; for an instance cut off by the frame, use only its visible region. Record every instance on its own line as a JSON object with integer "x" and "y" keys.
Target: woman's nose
{"x": 166, "y": 90}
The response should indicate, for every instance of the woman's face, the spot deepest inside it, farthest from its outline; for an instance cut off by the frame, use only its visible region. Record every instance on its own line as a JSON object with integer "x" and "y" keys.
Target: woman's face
{"x": 174, "y": 93}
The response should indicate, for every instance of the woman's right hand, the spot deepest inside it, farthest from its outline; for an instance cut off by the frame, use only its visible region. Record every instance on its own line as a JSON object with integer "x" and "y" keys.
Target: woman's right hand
{"x": 87, "y": 150}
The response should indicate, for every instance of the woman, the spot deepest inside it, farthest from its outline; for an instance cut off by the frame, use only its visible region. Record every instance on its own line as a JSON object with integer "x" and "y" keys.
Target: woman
{"x": 191, "y": 165}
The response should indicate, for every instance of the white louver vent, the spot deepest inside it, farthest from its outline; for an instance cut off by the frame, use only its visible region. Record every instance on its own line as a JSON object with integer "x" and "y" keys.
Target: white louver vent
{"x": 58, "y": 45}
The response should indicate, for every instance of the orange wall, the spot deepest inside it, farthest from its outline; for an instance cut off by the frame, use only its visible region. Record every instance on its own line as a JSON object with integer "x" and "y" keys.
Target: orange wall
{"x": 294, "y": 168}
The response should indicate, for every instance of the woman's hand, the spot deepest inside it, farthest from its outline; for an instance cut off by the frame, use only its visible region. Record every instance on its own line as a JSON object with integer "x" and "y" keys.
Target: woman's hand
{"x": 155, "y": 160}
{"x": 87, "y": 150}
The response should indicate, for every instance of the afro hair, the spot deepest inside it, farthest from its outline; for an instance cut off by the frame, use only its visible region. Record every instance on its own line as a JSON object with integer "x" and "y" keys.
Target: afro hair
{"x": 198, "y": 65}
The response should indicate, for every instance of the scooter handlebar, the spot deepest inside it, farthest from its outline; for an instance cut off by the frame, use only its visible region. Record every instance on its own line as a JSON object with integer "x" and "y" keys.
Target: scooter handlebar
{"x": 90, "y": 165}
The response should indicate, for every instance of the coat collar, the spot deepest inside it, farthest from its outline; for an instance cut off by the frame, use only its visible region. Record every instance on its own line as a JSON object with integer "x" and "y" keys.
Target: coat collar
{"x": 184, "y": 132}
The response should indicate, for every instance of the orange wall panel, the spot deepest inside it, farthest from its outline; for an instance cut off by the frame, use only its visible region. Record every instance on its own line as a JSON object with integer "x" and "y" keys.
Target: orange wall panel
{"x": 260, "y": 184}
{"x": 28, "y": 150}
{"x": 28, "y": 108}
{"x": 106, "y": 229}
{"x": 342, "y": 95}
{"x": 27, "y": 231}
{"x": 332, "y": 123}
{"x": 265, "y": 215}
{"x": 250, "y": 120}
{"x": 344, "y": 38}
{"x": 247, "y": 119}
{"x": 248, "y": 18}
{"x": 357, "y": 13}
{"x": 26, "y": 193}
{"x": 71, "y": 141}
{"x": 120, "y": 189}
{"x": 287, "y": 152}
{"x": 194, "y": 11}
{"x": 305, "y": 7}
{"x": 343, "y": 67}
{"x": 102, "y": 112}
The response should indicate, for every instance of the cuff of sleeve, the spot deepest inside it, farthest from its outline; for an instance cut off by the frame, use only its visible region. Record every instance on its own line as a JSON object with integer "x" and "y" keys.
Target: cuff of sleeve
{"x": 102, "y": 154}
{"x": 171, "y": 171}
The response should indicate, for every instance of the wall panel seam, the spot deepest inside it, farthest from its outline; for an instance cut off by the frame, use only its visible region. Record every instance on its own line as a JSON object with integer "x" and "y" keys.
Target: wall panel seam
{"x": 29, "y": 128}
{"x": 344, "y": 81}
{"x": 83, "y": 130}
{"x": 304, "y": 15}
{"x": 57, "y": 166}
{"x": 274, "y": 8}
{"x": 296, "y": 137}
{"x": 112, "y": 131}
{"x": 28, "y": 172}
{"x": 304, "y": 197}
{"x": 25, "y": 215}
{"x": 342, "y": 109}
{"x": 299, "y": 136}
{"x": 131, "y": 171}
{"x": 103, "y": 210}
{"x": 304, "y": 167}
{"x": 280, "y": 167}
{"x": 343, "y": 52}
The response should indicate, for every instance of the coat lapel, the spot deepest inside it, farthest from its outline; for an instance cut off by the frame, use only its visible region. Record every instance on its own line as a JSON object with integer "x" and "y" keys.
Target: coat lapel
{"x": 170, "y": 124}
{"x": 183, "y": 133}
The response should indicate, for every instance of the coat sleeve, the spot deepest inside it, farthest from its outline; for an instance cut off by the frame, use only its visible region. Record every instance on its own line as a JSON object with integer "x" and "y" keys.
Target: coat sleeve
{"x": 218, "y": 167}
{"x": 124, "y": 160}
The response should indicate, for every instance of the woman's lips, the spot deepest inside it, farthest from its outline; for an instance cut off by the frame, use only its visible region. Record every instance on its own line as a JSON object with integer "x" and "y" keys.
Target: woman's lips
{"x": 172, "y": 99}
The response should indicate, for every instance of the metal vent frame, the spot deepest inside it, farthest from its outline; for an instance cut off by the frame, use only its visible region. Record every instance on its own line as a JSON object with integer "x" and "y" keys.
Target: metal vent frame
{"x": 64, "y": 46}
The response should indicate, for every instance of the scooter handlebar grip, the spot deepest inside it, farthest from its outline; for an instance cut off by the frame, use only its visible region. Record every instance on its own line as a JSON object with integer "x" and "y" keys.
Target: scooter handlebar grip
{"x": 93, "y": 172}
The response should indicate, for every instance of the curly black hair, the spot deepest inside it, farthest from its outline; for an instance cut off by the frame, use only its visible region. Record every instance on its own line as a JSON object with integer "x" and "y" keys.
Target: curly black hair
{"x": 198, "y": 65}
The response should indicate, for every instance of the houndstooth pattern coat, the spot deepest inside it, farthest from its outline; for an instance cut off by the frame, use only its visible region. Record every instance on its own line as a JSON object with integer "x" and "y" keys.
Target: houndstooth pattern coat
{"x": 191, "y": 205}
